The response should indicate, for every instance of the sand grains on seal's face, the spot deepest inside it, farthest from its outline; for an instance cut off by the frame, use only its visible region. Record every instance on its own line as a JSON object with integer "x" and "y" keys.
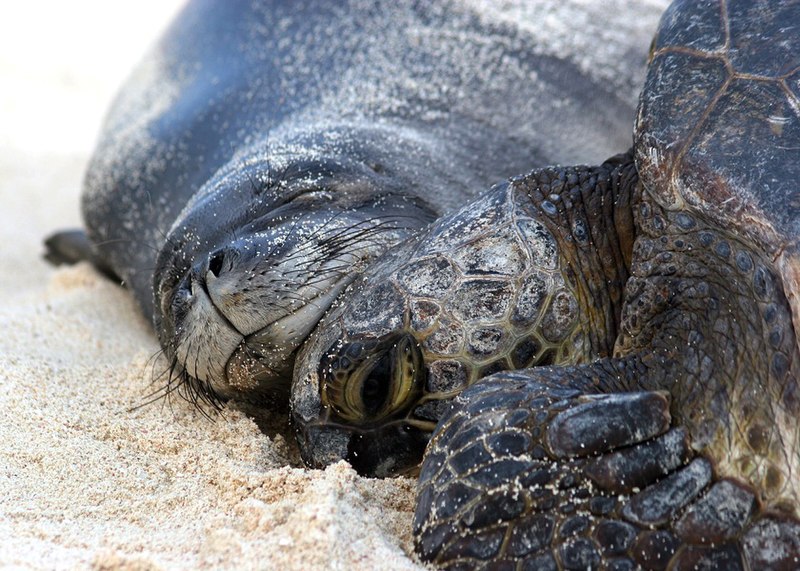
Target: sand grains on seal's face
{"x": 245, "y": 307}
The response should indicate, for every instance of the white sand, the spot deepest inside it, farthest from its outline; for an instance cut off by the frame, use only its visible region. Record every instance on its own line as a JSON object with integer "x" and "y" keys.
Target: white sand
{"x": 84, "y": 482}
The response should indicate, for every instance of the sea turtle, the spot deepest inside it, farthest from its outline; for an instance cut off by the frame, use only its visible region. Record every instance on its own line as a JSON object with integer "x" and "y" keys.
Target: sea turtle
{"x": 266, "y": 150}
{"x": 655, "y": 300}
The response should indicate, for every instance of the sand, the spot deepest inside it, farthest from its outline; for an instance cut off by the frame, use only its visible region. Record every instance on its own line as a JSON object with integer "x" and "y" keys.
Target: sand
{"x": 86, "y": 482}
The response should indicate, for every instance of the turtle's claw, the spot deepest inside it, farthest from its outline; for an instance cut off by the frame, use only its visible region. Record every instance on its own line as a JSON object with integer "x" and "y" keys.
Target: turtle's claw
{"x": 599, "y": 423}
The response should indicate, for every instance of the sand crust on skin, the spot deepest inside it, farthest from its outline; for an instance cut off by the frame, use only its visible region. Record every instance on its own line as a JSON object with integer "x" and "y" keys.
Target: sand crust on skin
{"x": 86, "y": 482}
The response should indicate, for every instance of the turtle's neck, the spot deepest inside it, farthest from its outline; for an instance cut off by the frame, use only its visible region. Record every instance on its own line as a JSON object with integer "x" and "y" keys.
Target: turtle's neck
{"x": 710, "y": 306}
{"x": 588, "y": 211}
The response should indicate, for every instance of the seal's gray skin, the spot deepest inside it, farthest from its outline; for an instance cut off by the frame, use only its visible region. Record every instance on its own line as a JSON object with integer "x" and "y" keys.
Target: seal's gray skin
{"x": 265, "y": 151}
{"x": 658, "y": 295}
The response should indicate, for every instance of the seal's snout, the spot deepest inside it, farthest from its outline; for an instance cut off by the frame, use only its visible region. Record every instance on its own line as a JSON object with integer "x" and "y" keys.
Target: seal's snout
{"x": 251, "y": 297}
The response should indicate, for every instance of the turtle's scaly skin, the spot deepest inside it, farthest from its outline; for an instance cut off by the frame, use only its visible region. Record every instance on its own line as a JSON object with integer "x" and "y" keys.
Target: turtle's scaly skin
{"x": 681, "y": 448}
{"x": 520, "y": 475}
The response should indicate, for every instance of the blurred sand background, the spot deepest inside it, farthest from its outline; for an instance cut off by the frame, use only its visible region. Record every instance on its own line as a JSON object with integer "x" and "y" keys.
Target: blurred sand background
{"x": 86, "y": 482}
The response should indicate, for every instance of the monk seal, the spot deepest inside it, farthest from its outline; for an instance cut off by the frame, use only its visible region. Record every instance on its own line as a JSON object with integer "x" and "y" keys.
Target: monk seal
{"x": 265, "y": 151}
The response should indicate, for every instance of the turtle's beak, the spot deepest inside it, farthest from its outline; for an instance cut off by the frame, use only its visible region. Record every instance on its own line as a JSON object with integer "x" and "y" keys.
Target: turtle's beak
{"x": 386, "y": 451}
{"x": 321, "y": 446}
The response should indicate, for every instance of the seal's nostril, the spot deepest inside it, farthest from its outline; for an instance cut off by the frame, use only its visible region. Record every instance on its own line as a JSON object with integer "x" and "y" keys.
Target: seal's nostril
{"x": 215, "y": 262}
{"x": 185, "y": 287}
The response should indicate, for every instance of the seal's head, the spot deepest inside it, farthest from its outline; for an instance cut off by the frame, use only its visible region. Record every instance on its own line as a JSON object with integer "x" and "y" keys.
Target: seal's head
{"x": 479, "y": 291}
{"x": 256, "y": 259}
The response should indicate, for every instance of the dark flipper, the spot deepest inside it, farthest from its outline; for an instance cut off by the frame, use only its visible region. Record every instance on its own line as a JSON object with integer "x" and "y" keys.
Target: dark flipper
{"x": 73, "y": 246}
{"x": 536, "y": 470}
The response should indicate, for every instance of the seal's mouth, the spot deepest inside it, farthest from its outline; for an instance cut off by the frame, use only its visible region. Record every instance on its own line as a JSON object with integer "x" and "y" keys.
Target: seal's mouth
{"x": 264, "y": 360}
{"x": 227, "y": 351}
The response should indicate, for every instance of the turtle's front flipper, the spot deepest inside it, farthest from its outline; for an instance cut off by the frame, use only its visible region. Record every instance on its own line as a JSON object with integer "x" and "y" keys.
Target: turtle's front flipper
{"x": 73, "y": 246}
{"x": 537, "y": 469}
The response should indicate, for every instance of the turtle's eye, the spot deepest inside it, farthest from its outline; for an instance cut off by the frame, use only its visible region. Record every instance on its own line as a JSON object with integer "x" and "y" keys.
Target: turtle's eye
{"x": 367, "y": 389}
{"x": 365, "y": 384}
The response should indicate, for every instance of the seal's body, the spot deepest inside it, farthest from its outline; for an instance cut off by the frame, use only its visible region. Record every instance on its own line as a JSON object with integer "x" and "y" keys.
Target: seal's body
{"x": 266, "y": 150}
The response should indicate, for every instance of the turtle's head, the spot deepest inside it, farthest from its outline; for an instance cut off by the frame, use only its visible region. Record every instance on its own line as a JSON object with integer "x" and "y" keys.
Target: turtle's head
{"x": 359, "y": 378}
{"x": 363, "y": 408}
{"x": 477, "y": 292}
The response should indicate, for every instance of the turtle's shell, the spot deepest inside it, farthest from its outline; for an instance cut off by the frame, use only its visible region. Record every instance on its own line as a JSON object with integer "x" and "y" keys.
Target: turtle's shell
{"x": 718, "y": 128}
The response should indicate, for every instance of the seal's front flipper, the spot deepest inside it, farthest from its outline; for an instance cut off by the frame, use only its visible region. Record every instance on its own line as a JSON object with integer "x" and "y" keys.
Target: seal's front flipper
{"x": 73, "y": 246}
